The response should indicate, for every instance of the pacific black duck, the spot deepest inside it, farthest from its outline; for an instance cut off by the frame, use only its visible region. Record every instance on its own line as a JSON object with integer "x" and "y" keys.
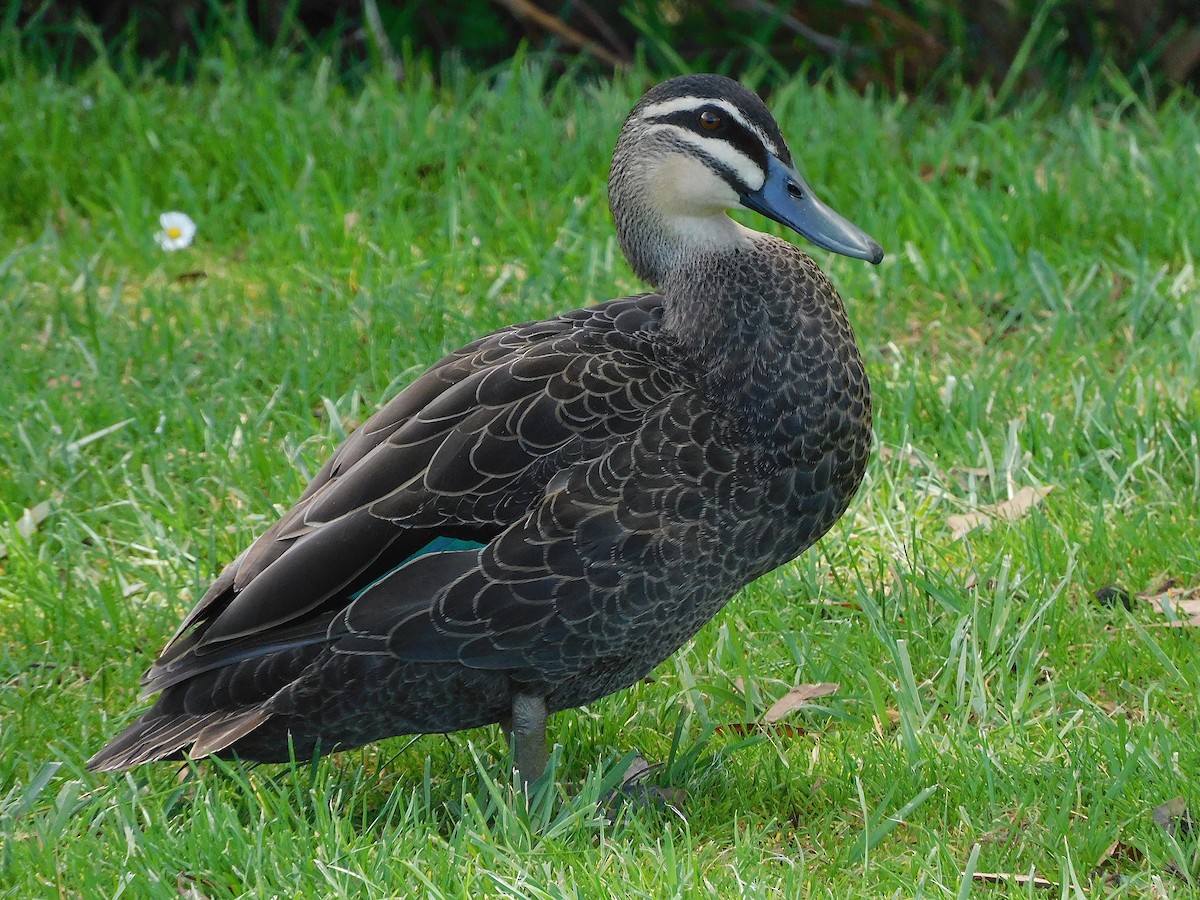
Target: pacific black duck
{"x": 550, "y": 512}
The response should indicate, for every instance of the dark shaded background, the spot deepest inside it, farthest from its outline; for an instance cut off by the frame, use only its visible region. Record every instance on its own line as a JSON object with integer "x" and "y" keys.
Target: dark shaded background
{"x": 908, "y": 45}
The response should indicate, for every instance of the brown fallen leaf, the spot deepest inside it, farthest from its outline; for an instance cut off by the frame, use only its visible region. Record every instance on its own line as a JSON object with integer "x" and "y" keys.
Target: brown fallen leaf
{"x": 1173, "y": 817}
{"x": 1120, "y": 852}
{"x": 891, "y": 716}
{"x": 638, "y": 770}
{"x": 795, "y": 698}
{"x": 1005, "y": 511}
{"x": 1180, "y": 604}
{"x": 1009, "y": 878}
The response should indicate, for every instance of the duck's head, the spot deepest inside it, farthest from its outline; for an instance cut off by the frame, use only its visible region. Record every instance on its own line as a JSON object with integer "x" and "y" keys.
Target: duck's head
{"x": 694, "y": 147}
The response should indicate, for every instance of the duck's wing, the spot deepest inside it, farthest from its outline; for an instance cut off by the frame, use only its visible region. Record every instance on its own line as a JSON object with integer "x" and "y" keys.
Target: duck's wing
{"x": 458, "y": 456}
{"x": 598, "y": 558}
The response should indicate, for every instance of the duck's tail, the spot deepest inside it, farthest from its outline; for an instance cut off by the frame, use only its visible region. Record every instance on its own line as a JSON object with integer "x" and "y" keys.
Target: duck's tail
{"x": 158, "y": 735}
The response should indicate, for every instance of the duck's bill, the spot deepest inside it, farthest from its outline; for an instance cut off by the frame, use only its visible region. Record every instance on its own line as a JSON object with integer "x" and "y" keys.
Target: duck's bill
{"x": 787, "y": 198}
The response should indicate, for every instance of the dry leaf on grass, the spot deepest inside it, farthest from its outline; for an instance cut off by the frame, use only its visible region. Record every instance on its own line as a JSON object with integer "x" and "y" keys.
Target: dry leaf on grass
{"x": 639, "y": 770}
{"x": 32, "y": 518}
{"x": 795, "y": 698}
{"x": 1119, "y": 852}
{"x": 29, "y": 522}
{"x": 1005, "y": 511}
{"x": 1180, "y": 604}
{"x": 1008, "y": 878}
{"x": 1173, "y": 817}
{"x": 891, "y": 716}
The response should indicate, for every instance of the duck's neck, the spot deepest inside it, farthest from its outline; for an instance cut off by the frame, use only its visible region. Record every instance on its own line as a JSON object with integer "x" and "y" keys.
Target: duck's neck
{"x": 663, "y": 221}
{"x": 660, "y": 247}
{"x": 764, "y": 333}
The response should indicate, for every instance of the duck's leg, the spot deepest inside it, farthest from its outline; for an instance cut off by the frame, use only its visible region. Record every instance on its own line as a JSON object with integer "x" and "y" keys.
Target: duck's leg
{"x": 526, "y": 732}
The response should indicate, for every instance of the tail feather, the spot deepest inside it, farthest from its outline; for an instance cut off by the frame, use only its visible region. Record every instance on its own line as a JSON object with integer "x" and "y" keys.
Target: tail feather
{"x": 156, "y": 736}
{"x": 219, "y": 735}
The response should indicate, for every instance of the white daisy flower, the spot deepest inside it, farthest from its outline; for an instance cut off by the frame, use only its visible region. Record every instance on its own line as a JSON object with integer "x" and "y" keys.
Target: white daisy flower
{"x": 178, "y": 229}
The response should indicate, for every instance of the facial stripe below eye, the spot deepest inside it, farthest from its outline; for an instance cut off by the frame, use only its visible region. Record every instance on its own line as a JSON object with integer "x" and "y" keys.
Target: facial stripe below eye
{"x": 730, "y": 131}
{"x": 744, "y": 170}
{"x": 695, "y": 104}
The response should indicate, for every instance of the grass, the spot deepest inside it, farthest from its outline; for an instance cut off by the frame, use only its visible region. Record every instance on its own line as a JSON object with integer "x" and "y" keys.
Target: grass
{"x": 1035, "y": 324}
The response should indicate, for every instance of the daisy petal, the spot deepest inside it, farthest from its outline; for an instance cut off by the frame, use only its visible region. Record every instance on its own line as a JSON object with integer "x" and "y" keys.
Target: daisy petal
{"x": 178, "y": 231}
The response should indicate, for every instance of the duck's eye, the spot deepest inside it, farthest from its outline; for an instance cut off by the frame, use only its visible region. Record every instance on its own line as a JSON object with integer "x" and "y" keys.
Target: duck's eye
{"x": 709, "y": 120}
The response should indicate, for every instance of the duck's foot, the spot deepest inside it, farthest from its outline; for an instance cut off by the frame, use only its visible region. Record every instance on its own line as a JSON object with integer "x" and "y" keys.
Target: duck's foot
{"x": 634, "y": 789}
{"x": 525, "y": 729}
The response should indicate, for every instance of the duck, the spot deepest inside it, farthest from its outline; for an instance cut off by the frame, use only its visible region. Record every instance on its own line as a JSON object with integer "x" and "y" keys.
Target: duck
{"x": 547, "y": 514}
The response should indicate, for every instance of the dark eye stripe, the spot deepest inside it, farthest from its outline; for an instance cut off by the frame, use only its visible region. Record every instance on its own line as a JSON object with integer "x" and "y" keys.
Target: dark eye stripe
{"x": 731, "y": 132}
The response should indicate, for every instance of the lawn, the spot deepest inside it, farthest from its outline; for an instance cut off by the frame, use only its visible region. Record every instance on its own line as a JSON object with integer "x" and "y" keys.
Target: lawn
{"x": 1033, "y": 340}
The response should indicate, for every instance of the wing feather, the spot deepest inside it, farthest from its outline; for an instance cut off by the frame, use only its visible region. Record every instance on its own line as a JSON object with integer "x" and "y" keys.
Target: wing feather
{"x": 564, "y": 572}
{"x": 465, "y": 451}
